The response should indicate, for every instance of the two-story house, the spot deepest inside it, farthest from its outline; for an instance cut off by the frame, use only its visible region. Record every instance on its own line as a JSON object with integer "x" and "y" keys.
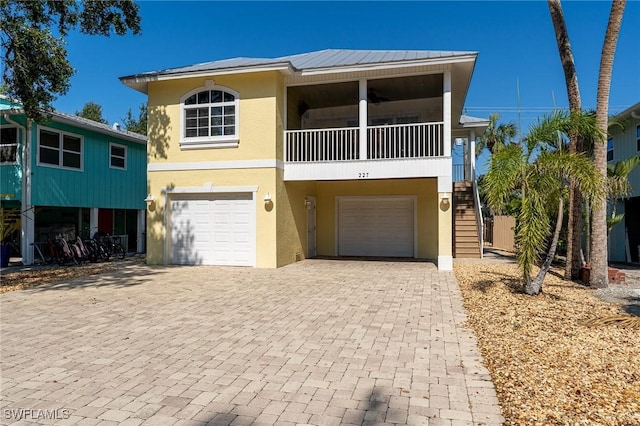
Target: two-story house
{"x": 70, "y": 176}
{"x": 624, "y": 142}
{"x": 262, "y": 162}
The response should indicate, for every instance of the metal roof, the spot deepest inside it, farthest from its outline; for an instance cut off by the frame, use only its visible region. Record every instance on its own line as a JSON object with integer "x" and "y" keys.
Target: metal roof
{"x": 16, "y": 109}
{"x": 469, "y": 121}
{"x": 329, "y": 58}
{"x": 340, "y": 57}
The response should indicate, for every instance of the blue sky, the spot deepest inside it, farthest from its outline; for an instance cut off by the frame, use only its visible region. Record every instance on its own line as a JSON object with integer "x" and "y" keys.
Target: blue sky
{"x": 515, "y": 41}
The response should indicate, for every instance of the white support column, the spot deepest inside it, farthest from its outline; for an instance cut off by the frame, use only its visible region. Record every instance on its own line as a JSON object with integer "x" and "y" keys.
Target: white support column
{"x": 141, "y": 231}
{"x": 446, "y": 112}
{"x": 93, "y": 221}
{"x": 28, "y": 219}
{"x": 362, "y": 118}
{"x": 472, "y": 154}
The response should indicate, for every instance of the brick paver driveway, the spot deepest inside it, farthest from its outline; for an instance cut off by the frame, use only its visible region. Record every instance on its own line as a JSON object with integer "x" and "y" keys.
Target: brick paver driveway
{"x": 317, "y": 342}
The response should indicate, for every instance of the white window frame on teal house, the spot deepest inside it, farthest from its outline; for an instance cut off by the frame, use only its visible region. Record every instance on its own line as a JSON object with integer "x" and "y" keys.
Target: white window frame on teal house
{"x": 11, "y": 146}
{"x": 113, "y": 156}
{"x": 60, "y": 149}
{"x": 609, "y": 149}
{"x": 215, "y": 111}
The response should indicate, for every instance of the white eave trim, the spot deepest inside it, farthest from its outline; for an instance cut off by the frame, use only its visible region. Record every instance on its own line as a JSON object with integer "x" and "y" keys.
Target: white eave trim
{"x": 390, "y": 65}
{"x": 209, "y": 187}
{"x": 215, "y": 165}
{"x": 286, "y": 69}
{"x": 141, "y": 139}
{"x": 64, "y": 120}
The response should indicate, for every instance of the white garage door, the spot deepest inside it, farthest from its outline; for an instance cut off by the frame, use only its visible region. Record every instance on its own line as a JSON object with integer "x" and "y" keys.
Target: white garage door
{"x": 213, "y": 229}
{"x": 376, "y": 226}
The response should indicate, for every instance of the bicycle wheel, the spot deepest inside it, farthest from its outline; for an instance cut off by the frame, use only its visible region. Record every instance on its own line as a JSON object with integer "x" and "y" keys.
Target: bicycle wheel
{"x": 119, "y": 251}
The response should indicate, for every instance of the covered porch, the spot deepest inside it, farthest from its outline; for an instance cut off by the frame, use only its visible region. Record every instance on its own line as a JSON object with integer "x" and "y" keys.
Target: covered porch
{"x": 369, "y": 128}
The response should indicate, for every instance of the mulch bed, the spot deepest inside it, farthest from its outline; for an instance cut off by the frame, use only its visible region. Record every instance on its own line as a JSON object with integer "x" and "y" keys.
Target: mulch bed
{"x": 548, "y": 365}
{"x": 42, "y": 275}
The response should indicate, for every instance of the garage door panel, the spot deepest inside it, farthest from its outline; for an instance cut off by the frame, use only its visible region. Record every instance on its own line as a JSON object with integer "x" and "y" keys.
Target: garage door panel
{"x": 376, "y": 226}
{"x": 213, "y": 229}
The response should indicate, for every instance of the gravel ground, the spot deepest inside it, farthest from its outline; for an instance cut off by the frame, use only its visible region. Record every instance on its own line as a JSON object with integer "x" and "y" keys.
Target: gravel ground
{"x": 548, "y": 364}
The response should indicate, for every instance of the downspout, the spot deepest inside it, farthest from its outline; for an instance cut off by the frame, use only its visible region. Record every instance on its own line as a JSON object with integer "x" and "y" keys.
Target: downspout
{"x": 27, "y": 224}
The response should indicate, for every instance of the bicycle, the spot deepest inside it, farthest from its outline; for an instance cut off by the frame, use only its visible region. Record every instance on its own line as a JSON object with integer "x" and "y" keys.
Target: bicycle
{"x": 116, "y": 247}
{"x": 39, "y": 257}
{"x": 111, "y": 248}
{"x": 66, "y": 253}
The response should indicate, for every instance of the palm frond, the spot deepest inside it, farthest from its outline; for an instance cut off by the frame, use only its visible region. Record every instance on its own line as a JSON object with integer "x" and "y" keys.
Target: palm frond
{"x": 504, "y": 176}
{"x": 531, "y": 232}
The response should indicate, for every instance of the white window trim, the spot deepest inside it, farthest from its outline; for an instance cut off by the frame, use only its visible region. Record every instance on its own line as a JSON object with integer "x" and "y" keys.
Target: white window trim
{"x": 224, "y": 141}
{"x": 8, "y": 163}
{"x": 111, "y": 166}
{"x": 60, "y": 150}
{"x": 612, "y": 150}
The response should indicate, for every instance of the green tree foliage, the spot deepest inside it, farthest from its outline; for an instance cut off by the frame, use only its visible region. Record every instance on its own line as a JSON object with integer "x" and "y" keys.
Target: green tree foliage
{"x": 496, "y": 135}
{"x": 92, "y": 111}
{"x": 136, "y": 125}
{"x": 36, "y": 68}
{"x": 537, "y": 171}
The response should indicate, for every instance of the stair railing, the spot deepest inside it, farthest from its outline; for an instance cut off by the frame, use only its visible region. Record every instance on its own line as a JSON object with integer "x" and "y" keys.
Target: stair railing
{"x": 476, "y": 196}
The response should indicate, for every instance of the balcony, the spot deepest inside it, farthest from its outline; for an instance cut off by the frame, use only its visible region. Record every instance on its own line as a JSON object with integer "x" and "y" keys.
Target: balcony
{"x": 385, "y": 151}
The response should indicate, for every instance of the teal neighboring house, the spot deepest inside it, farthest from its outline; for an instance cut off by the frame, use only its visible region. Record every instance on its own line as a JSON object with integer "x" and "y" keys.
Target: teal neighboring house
{"x": 71, "y": 176}
{"x": 624, "y": 142}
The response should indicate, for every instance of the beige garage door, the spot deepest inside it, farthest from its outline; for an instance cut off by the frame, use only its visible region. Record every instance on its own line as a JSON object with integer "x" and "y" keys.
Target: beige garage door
{"x": 376, "y": 226}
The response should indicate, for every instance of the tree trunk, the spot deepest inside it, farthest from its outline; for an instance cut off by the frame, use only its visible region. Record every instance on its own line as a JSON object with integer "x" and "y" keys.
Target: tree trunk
{"x": 587, "y": 228}
{"x": 574, "y": 228}
{"x": 599, "y": 253}
{"x": 535, "y": 286}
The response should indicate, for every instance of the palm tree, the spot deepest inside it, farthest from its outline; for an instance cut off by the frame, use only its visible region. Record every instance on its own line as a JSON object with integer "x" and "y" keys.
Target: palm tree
{"x": 538, "y": 171}
{"x": 574, "y": 227}
{"x": 496, "y": 135}
{"x": 599, "y": 268}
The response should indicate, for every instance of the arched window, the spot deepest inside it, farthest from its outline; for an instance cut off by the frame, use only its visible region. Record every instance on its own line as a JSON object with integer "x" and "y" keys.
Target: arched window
{"x": 210, "y": 118}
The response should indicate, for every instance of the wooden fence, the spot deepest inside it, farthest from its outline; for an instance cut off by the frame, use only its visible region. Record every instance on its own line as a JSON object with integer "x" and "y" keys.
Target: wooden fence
{"x": 499, "y": 232}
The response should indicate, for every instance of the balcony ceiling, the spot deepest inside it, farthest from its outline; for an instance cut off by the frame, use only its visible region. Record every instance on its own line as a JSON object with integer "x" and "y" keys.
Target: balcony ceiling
{"x": 379, "y": 91}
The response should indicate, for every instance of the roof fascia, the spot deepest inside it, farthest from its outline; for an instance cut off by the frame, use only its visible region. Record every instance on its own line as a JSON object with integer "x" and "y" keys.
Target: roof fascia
{"x": 141, "y": 139}
{"x": 627, "y": 112}
{"x": 285, "y": 68}
{"x": 389, "y": 65}
{"x": 65, "y": 120}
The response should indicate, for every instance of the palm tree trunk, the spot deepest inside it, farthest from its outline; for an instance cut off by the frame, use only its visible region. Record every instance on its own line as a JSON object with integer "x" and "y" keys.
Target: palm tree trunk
{"x": 535, "y": 286}
{"x": 599, "y": 253}
{"x": 574, "y": 228}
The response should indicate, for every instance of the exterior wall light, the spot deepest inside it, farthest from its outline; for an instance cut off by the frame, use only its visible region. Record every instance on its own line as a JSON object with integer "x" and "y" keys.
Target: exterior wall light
{"x": 151, "y": 202}
{"x": 267, "y": 197}
{"x": 444, "y": 200}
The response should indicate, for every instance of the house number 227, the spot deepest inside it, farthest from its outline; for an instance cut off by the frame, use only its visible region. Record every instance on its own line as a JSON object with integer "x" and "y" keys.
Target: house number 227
{"x": 363, "y": 175}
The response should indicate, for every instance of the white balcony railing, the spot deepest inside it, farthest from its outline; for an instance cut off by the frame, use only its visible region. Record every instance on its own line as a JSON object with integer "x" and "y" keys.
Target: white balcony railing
{"x": 418, "y": 140}
{"x": 405, "y": 141}
{"x": 322, "y": 145}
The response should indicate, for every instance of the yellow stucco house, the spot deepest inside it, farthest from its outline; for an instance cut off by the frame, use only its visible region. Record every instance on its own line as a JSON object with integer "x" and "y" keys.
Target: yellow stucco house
{"x": 263, "y": 162}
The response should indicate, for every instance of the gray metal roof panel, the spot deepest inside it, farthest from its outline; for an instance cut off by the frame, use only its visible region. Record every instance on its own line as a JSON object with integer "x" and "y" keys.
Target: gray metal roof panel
{"x": 99, "y": 127}
{"x": 343, "y": 57}
{"x": 328, "y": 58}
{"x": 467, "y": 119}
